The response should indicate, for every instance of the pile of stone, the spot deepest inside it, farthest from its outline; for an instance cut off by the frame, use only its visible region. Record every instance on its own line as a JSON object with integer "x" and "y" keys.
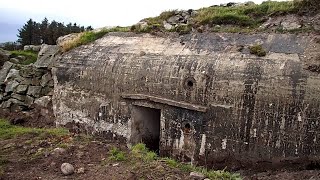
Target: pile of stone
{"x": 180, "y": 18}
{"x": 21, "y": 86}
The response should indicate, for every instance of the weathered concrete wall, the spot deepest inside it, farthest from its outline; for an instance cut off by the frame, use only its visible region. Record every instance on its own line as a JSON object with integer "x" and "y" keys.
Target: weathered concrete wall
{"x": 216, "y": 99}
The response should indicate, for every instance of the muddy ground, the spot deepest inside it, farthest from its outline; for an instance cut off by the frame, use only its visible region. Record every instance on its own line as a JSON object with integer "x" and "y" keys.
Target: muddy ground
{"x": 34, "y": 156}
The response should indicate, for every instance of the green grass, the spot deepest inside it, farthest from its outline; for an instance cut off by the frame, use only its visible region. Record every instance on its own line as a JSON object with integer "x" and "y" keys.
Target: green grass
{"x": 31, "y": 56}
{"x": 90, "y": 36}
{"x": 242, "y": 15}
{"x": 8, "y": 131}
{"x": 257, "y": 50}
{"x": 220, "y": 174}
{"x": 117, "y": 155}
{"x": 141, "y": 151}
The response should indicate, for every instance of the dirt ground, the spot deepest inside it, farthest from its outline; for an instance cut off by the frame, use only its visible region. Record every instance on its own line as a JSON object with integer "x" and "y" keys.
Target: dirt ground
{"x": 35, "y": 156}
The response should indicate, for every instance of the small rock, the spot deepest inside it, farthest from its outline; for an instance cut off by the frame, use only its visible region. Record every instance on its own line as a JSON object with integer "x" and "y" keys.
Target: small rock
{"x": 11, "y": 86}
{"x": 142, "y": 24}
{"x": 14, "y": 60}
{"x": 67, "y": 169}
{"x": 59, "y": 150}
{"x": 116, "y": 164}
{"x": 167, "y": 26}
{"x": 80, "y": 154}
{"x": 21, "y": 58}
{"x": 45, "y": 79}
{"x": 43, "y": 101}
{"x": 13, "y": 74}
{"x": 34, "y": 91}
{"x": 21, "y": 89}
{"x": 206, "y": 179}
{"x": 80, "y": 170}
{"x": 196, "y": 175}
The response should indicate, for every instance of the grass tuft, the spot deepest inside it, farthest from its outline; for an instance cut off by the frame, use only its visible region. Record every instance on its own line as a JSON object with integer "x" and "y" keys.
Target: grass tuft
{"x": 31, "y": 56}
{"x": 117, "y": 155}
{"x": 257, "y": 50}
{"x": 8, "y": 131}
{"x": 140, "y": 151}
{"x": 89, "y": 36}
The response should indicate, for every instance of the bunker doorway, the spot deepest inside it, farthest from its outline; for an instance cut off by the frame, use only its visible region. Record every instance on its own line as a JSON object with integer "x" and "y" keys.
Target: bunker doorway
{"x": 146, "y": 127}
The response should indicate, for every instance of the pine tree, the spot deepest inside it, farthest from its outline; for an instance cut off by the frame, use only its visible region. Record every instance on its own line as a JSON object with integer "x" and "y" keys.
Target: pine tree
{"x": 27, "y": 34}
{"x": 44, "y": 30}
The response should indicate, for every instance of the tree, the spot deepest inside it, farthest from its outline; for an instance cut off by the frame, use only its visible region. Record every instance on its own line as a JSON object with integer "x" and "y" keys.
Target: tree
{"x": 28, "y": 34}
{"x": 44, "y": 30}
{"x": 33, "y": 33}
{"x": 89, "y": 28}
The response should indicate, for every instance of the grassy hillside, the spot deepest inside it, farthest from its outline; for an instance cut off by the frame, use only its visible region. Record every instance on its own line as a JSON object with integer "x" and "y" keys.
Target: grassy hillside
{"x": 246, "y": 17}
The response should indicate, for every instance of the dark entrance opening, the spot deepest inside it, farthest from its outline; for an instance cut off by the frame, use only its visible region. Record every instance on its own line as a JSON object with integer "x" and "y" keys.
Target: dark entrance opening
{"x": 146, "y": 127}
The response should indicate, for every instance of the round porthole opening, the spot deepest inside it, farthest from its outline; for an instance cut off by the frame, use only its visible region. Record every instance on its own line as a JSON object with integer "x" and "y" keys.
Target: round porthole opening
{"x": 189, "y": 83}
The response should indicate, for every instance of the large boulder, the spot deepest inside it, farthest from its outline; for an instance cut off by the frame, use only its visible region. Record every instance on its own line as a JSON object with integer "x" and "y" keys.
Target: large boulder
{"x": 47, "y": 56}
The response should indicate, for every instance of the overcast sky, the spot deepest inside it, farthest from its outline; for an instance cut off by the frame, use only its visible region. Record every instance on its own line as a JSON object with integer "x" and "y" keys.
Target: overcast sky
{"x": 97, "y": 13}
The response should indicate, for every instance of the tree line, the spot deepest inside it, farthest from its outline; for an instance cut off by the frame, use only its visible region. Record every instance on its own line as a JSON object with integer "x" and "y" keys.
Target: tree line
{"x": 45, "y": 32}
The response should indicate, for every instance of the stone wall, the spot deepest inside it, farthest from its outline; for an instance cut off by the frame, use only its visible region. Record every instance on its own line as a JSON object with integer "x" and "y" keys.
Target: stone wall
{"x": 25, "y": 86}
{"x": 216, "y": 99}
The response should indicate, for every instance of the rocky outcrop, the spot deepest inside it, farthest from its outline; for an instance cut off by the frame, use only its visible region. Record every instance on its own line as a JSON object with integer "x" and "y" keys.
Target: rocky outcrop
{"x": 292, "y": 22}
{"x": 179, "y": 18}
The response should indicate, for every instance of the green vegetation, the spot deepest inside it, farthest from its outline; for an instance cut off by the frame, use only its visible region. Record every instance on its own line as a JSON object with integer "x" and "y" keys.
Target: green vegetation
{"x": 31, "y": 56}
{"x": 117, "y": 155}
{"x": 8, "y": 131}
{"x": 220, "y": 174}
{"x": 257, "y": 50}
{"x": 90, "y": 36}
{"x": 149, "y": 158}
{"x": 140, "y": 151}
{"x": 243, "y": 15}
{"x": 46, "y": 32}
{"x": 162, "y": 17}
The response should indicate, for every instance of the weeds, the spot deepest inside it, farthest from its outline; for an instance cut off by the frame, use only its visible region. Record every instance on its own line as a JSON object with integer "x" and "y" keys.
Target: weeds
{"x": 89, "y": 36}
{"x": 8, "y": 131}
{"x": 257, "y": 50}
{"x": 117, "y": 155}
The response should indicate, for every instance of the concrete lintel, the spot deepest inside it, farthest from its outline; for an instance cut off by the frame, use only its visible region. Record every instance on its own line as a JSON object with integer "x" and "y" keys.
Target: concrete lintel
{"x": 165, "y": 101}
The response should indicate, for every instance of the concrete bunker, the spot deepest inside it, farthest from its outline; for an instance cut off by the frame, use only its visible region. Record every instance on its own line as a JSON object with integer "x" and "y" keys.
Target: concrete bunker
{"x": 145, "y": 127}
{"x": 216, "y": 104}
